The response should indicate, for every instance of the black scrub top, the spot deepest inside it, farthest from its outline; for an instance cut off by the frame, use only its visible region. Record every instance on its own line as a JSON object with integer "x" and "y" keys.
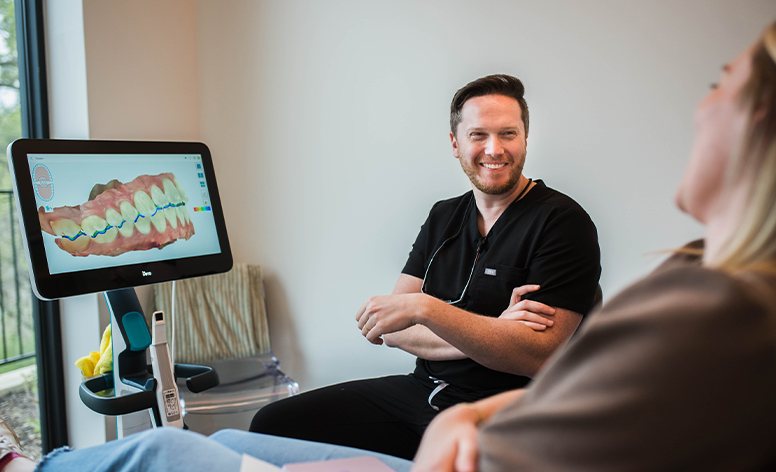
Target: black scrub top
{"x": 545, "y": 238}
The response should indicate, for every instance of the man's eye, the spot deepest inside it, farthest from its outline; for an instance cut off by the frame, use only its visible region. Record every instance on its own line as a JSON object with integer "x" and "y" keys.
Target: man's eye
{"x": 713, "y": 85}
{"x": 477, "y": 136}
{"x": 509, "y": 134}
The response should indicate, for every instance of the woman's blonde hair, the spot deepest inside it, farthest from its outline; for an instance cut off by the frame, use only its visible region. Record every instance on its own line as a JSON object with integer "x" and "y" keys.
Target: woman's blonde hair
{"x": 752, "y": 243}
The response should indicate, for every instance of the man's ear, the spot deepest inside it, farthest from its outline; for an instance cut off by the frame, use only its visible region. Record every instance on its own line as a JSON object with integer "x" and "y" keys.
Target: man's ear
{"x": 454, "y": 143}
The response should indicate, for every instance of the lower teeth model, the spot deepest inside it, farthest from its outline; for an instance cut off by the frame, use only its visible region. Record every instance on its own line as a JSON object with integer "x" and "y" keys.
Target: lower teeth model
{"x": 148, "y": 212}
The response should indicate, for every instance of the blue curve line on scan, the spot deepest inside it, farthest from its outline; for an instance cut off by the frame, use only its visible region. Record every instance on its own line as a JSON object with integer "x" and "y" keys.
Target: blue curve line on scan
{"x": 139, "y": 215}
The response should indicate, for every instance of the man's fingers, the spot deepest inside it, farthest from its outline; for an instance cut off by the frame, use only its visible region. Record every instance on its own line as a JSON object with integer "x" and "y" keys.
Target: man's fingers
{"x": 523, "y": 315}
{"x": 534, "y": 326}
{"x": 360, "y": 311}
{"x": 373, "y": 336}
{"x": 368, "y": 323}
{"x": 518, "y": 292}
{"x": 378, "y": 340}
{"x": 364, "y": 312}
{"x": 534, "y": 307}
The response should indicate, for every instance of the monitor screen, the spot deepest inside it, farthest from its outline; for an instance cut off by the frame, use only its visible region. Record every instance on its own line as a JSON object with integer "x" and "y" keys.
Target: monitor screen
{"x": 103, "y": 215}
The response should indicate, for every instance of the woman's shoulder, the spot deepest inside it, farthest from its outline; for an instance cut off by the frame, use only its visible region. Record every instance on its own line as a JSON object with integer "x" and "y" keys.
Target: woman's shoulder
{"x": 691, "y": 293}
{"x": 688, "y": 347}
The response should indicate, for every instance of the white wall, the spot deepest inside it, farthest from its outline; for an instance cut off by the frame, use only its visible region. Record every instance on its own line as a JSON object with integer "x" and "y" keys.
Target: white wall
{"x": 328, "y": 126}
{"x": 328, "y": 121}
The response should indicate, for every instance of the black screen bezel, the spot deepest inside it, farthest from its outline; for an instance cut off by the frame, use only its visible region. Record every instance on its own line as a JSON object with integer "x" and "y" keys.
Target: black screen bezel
{"x": 53, "y": 286}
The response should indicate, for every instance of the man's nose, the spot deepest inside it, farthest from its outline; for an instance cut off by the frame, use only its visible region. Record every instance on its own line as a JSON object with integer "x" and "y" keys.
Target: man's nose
{"x": 493, "y": 146}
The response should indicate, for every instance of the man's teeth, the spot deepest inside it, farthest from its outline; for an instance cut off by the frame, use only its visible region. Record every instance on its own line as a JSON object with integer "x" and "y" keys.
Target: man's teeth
{"x": 493, "y": 165}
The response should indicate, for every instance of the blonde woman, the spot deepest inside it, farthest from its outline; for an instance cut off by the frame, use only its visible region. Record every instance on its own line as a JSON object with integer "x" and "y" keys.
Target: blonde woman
{"x": 678, "y": 372}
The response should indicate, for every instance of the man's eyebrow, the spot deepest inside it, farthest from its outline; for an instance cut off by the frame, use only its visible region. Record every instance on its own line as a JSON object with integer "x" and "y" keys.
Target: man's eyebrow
{"x": 484, "y": 128}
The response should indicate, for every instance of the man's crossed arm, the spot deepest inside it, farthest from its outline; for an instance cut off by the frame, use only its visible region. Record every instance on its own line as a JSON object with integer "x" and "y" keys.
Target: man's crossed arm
{"x": 431, "y": 329}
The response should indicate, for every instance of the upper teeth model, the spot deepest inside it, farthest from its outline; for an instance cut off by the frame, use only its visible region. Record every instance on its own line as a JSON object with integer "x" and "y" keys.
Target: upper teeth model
{"x": 148, "y": 212}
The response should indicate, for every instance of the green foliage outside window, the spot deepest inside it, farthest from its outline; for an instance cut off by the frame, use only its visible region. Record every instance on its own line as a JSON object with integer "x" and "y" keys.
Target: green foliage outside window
{"x": 10, "y": 109}
{"x": 15, "y": 299}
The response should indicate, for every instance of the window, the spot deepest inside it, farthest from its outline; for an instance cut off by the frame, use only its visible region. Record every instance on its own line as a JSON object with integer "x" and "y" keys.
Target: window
{"x": 18, "y": 394}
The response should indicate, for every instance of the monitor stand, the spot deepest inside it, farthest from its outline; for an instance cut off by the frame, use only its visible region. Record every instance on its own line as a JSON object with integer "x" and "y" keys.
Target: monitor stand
{"x": 129, "y": 391}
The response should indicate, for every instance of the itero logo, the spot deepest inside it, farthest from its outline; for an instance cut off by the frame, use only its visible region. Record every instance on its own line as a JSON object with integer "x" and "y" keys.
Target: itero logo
{"x": 146, "y": 273}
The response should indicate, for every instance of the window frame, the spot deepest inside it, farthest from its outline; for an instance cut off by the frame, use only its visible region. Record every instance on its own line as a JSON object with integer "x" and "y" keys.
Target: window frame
{"x": 33, "y": 98}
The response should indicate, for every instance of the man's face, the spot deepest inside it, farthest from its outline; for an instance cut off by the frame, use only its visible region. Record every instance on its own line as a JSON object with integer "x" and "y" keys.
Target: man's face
{"x": 490, "y": 143}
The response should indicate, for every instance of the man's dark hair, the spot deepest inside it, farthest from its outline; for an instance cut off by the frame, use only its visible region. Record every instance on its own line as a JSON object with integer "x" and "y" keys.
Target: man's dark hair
{"x": 497, "y": 84}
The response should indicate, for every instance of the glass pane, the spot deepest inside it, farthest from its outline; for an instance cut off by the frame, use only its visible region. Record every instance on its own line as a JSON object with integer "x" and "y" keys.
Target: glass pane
{"x": 18, "y": 380}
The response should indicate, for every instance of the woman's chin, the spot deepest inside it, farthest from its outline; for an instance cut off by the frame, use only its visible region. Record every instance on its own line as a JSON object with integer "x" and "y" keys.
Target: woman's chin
{"x": 685, "y": 206}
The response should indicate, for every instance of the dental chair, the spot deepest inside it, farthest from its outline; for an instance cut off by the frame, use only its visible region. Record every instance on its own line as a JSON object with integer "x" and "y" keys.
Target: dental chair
{"x": 222, "y": 323}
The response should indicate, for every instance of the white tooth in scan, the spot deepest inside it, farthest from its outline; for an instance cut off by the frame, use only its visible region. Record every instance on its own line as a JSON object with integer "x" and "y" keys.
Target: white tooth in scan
{"x": 181, "y": 212}
{"x": 143, "y": 203}
{"x": 162, "y": 202}
{"x": 171, "y": 216}
{"x": 159, "y": 221}
{"x": 171, "y": 191}
{"x": 128, "y": 214}
{"x": 145, "y": 206}
{"x": 115, "y": 219}
{"x": 69, "y": 229}
{"x": 143, "y": 225}
{"x": 97, "y": 229}
{"x": 173, "y": 213}
{"x": 159, "y": 198}
{"x": 65, "y": 227}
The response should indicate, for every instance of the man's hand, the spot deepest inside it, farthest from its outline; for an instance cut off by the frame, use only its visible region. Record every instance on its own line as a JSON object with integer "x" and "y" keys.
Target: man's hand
{"x": 535, "y": 315}
{"x": 450, "y": 441}
{"x": 388, "y": 313}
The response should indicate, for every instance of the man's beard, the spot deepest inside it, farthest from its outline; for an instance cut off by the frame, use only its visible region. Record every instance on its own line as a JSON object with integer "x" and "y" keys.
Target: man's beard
{"x": 493, "y": 189}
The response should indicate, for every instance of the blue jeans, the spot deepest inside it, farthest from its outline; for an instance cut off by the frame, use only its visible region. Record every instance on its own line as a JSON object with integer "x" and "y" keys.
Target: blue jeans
{"x": 176, "y": 450}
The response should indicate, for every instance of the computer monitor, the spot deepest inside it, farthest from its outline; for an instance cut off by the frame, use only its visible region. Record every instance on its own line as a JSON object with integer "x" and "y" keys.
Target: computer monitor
{"x": 105, "y": 215}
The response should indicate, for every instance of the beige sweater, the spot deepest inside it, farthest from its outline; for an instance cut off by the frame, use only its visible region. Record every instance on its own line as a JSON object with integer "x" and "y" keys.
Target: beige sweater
{"x": 678, "y": 372}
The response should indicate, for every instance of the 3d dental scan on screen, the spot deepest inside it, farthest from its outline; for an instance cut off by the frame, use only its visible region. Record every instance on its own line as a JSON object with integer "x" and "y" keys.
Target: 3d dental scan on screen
{"x": 102, "y": 215}
{"x": 108, "y": 216}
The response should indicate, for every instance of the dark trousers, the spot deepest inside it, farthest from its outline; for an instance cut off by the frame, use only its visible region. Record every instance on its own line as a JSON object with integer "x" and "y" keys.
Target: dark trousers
{"x": 386, "y": 414}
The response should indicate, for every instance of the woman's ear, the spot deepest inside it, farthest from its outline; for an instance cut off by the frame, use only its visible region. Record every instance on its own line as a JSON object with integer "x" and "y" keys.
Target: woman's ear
{"x": 760, "y": 113}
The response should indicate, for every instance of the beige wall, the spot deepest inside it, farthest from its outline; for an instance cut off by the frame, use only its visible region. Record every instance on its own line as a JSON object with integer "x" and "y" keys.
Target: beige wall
{"x": 142, "y": 69}
{"x": 327, "y": 123}
{"x": 116, "y": 70}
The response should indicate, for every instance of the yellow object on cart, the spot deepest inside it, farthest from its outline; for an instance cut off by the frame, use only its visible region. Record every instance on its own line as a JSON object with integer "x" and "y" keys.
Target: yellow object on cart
{"x": 97, "y": 363}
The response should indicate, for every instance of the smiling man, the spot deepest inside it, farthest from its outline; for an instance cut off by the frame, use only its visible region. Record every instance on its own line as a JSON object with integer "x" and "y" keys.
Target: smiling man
{"x": 497, "y": 279}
